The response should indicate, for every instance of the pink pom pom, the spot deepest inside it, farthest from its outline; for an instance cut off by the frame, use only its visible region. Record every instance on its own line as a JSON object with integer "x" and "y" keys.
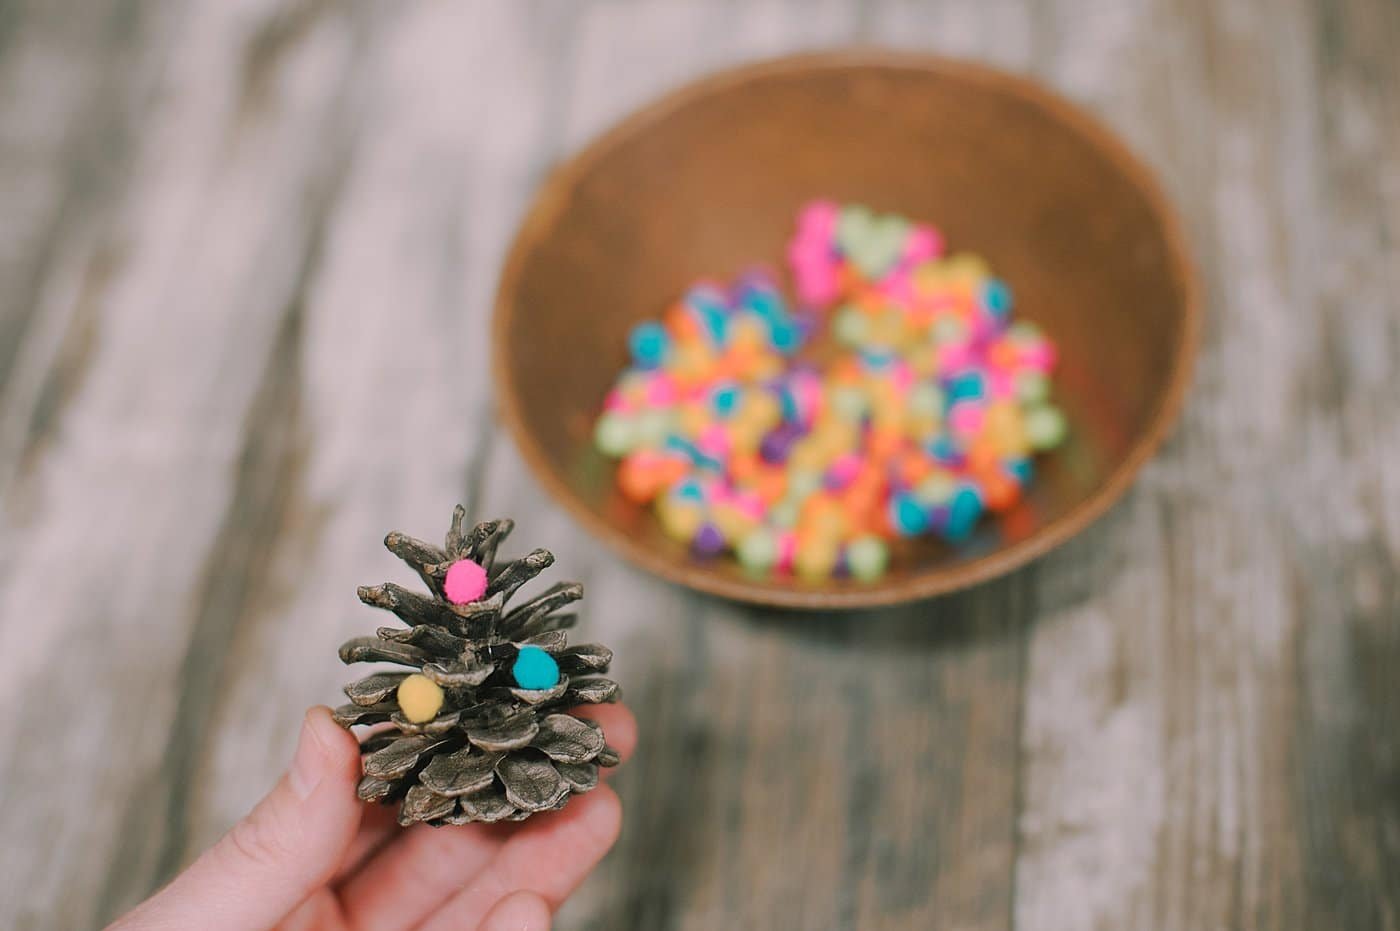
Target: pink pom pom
{"x": 922, "y": 243}
{"x": 749, "y": 504}
{"x": 787, "y": 550}
{"x": 902, "y": 377}
{"x": 466, "y": 581}
{"x": 1002, "y": 385}
{"x": 954, "y": 356}
{"x": 1040, "y": 356}
{"x": 714, "y": 441}
{"x": 844, "y": 470}
{"x": 966, "y": 418}
{"x": 661, "y": 390}
{"x": 817, "y": 286}
{"x": 808, "y": 253}
{"x": 818, "y": 220}
{"x": 898, "y": 287}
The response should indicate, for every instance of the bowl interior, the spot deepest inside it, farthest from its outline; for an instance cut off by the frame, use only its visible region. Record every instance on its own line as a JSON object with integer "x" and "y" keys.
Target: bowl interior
{"x": 709, "y": 180}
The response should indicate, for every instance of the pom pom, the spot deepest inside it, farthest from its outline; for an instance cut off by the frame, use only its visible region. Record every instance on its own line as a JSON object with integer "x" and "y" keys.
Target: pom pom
{"x": 420, "y": 698}
{"x": 535, "y": 669}
{"x": 466, "y": 581}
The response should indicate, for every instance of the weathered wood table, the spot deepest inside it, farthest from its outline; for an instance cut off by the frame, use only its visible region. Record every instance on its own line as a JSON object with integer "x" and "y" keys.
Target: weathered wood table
{"x": 248, "y": 256}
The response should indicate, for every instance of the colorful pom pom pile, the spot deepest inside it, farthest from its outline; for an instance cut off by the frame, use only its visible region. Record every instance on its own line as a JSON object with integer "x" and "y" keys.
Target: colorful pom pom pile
{"x": 899, "y": 401}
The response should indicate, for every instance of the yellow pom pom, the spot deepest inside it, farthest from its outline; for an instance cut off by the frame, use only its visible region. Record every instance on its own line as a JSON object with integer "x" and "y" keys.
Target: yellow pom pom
{"x": 760, "y": 408}
{"x": 748, "y": 333}
{"x": 1006, "y": 429}
{"x": 807, "y": 454}
{"x": 815, "y": 558}
{"x": 679, "y": 520}
{"x": 965, "y": 268}
{"x": 732, "y": 523}
{"x": 420, "y": 698}
{"x": 692, "y": 360}
{"x": 930, "y": 278}
{"x": 694, "y": 418}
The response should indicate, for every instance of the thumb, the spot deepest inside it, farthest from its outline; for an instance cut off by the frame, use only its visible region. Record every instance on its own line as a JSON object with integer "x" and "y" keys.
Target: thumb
{"x": 284, "y": 850}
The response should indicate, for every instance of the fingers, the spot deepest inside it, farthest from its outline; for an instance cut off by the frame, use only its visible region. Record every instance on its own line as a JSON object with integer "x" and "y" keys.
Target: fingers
{"x": 379, "y": 826}
{"x": 523, "y": 911}
{"x": 279, "y": 854}
{"x": 548, "y": 857}
{"x": 619, "y": 726}
{"x": 407, "y": 880}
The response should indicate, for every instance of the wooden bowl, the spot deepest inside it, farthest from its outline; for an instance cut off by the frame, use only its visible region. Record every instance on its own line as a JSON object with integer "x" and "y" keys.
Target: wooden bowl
{"x": 708, "y": 180}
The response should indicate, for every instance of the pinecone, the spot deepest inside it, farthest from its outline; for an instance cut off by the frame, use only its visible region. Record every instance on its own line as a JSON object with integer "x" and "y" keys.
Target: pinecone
{"x": 481, "y": 731}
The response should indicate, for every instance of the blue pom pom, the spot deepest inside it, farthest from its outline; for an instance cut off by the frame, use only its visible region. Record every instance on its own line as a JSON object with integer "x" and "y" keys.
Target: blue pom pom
{"x": 968, "y": 386}
{"x": 650, "y": 344}
{"x": 944, "y": 450}
{"x": 996, "y": 298}
{"x": 725, "y": 399}
{"x": 766, "y": 303}
{"x": 535, "y": 669}
{"x": 1020, "y": 469}
{"x": 784, "y": 335}
{"x": 688, "y": 490}
{"x": 683, "y": 446}
{"x": 963, "y": 512}
{"x": 707, "y": 304}
{"x": 909, "y": 517}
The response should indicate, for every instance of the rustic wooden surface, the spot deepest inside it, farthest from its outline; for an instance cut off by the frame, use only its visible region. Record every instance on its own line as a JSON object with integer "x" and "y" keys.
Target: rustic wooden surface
{"x": 248, "y": 256}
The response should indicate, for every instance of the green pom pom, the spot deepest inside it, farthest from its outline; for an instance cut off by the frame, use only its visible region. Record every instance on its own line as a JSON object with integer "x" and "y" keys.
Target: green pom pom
{"x": 1045, "y": 427}
{"x": 850, "y": 327}
{"x": 652, "y": 428}
{"x": 936, "y": 489}
{"x": 848, "y": 403}
{"x": 1032, "y": 388}
{"x": 802, "y": 484}
{"x": 926, "y": 400}
{"x": 758, "y": 551}
{"x": 867, "y": 558}
{"x": 785, "y": 514}
{"x": 614, "y": 435}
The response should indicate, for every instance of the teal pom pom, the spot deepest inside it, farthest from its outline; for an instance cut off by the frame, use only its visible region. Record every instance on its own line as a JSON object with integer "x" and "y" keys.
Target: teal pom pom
{"x": 535, "y": 669}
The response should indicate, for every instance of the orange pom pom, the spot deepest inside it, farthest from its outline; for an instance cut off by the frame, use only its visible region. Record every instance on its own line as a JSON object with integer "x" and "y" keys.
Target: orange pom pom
{"x": 883, "y": 442}
{"x": 911, "y": 466}
{"x": 639, "y": 478}
{"x": 743, "y": 468}
{"x": 681, "y": 323}
{"x": 999, "y": 490}
{"x": 1002, "y": 355}
{"x": 983, "y": 455}
{"x": 771, "y": 483}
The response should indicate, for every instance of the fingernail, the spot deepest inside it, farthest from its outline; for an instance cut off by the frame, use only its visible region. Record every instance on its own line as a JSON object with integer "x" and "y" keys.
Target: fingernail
{"x": 308, "y": 764}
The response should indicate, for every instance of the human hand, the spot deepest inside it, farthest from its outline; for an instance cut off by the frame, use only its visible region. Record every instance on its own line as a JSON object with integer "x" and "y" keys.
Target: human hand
{"x": 313, "y": 856}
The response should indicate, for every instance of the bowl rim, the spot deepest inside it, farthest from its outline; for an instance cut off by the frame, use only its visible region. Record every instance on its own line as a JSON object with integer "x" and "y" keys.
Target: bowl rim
{"x": 551, "y": 198}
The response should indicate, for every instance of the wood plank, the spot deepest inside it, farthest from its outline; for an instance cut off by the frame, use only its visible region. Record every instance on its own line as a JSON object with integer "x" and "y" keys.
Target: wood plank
{"x": 1345, "y": 567}
{"x": 796, "y": 772}
{"x": 1182, "y": 769}
{"x": 393, "y": 375}
{"x": 131, "y": 493}
{"x": 69, "y": 94}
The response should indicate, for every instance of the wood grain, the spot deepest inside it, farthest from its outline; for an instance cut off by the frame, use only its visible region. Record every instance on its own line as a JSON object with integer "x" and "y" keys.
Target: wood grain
{"x": 248, "y": 258}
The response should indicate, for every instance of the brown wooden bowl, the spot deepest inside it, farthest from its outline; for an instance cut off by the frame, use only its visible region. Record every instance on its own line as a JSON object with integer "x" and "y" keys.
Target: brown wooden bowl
{"x": 708, "y": 180}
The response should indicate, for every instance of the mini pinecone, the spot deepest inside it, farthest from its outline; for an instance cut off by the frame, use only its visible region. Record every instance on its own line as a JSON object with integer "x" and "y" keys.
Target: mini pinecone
{"x": 494, "y": 751}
